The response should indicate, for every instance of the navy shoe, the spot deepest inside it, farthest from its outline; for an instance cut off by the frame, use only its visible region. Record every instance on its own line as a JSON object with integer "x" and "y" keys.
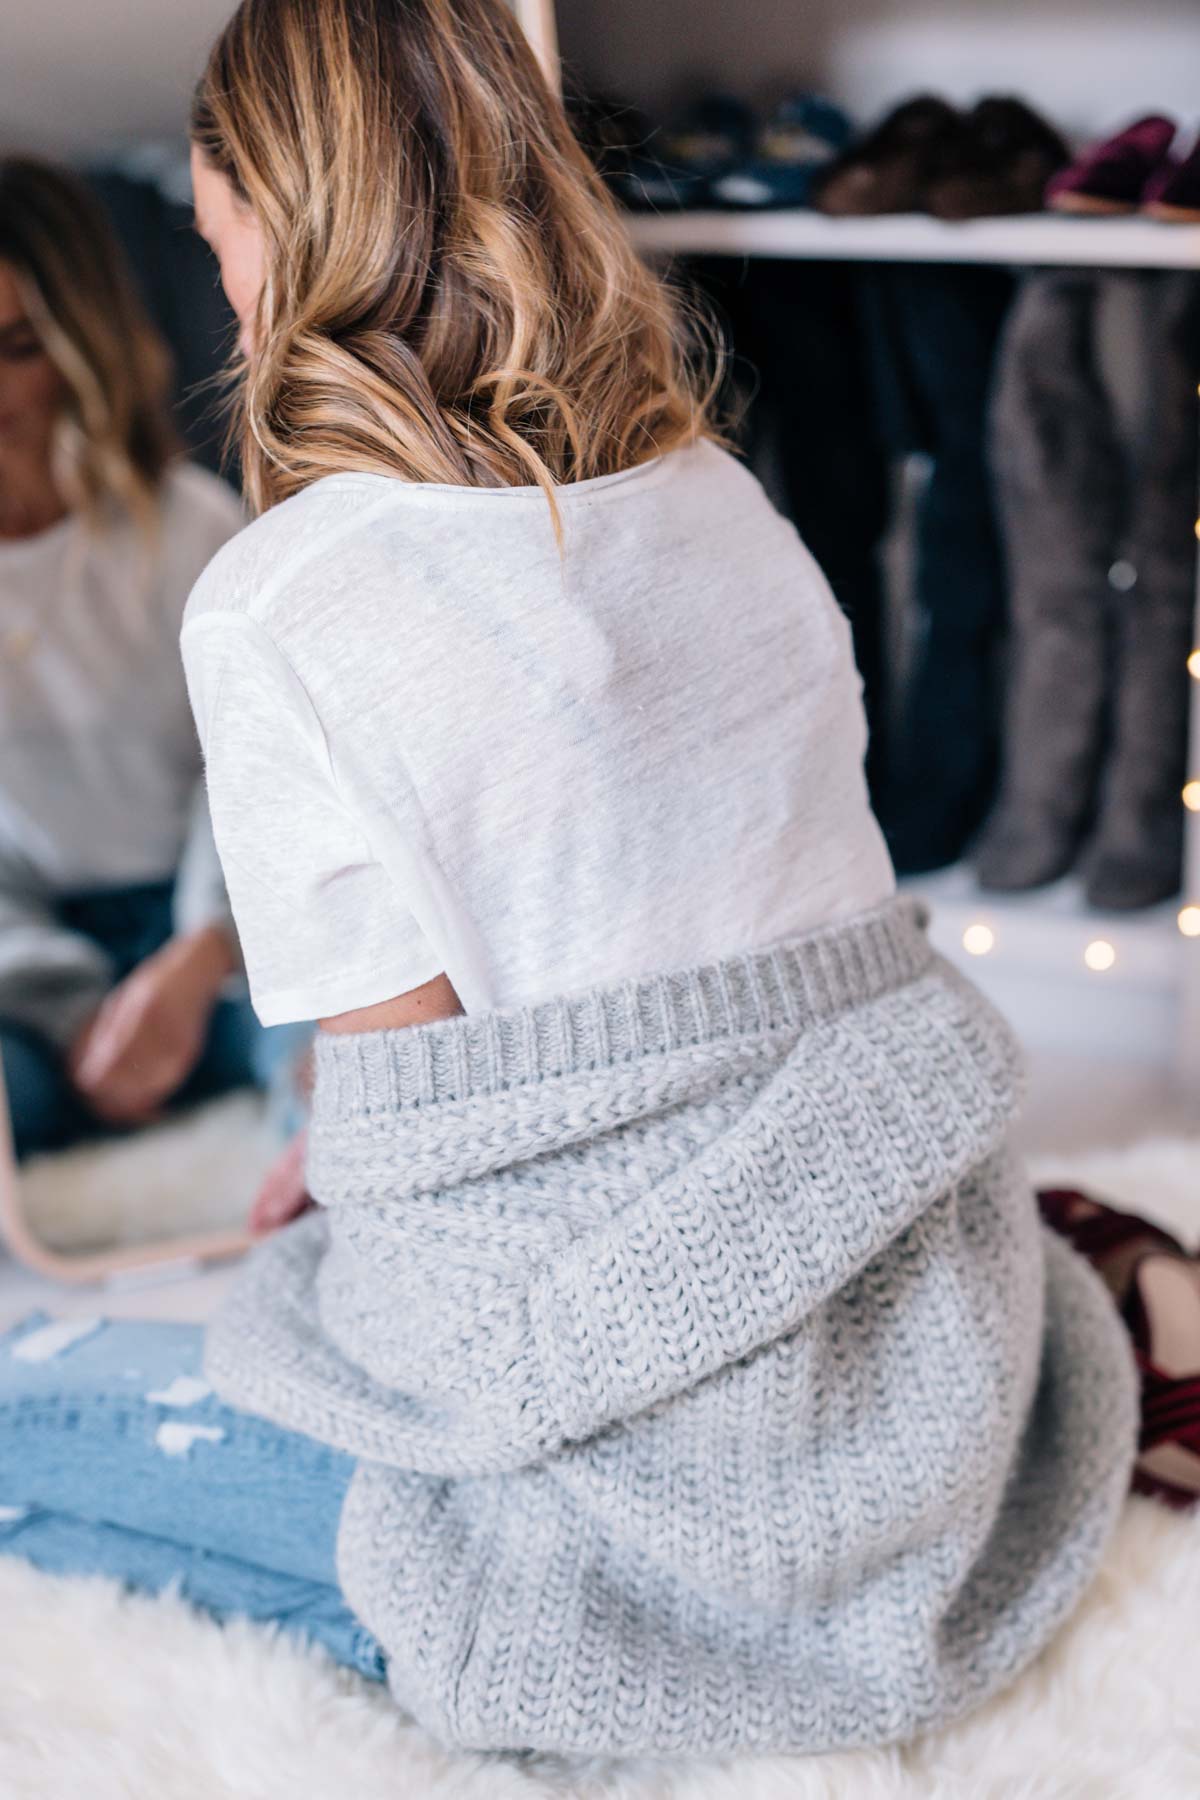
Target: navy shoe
{"x": 681, "y": 163}
{"x": 802, "y": 136}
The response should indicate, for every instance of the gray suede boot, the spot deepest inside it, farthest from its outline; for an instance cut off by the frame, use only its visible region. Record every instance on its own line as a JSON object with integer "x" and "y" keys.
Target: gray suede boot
{"x": 1061, "y": 491}
{"x": 1135, "y": 856}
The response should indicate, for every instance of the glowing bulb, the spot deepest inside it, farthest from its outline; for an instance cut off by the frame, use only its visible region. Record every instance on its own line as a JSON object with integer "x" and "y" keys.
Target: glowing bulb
{"x": 1189, "y": 921}
{"x": 1198, "y": 528}
{"x": 1194, "y": 665}
{"x": 1099, "y": 955}
{"x": 978, "y": 940}
{"x": 1191, "y": 796}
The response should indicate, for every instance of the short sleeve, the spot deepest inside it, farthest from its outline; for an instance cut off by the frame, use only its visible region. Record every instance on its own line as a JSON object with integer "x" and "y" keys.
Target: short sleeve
{"x": 323, "y": 928}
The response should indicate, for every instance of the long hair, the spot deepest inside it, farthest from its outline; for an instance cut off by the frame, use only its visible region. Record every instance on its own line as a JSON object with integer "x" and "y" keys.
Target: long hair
{"x": 114, "y": 438}
{"x": 449, "y": 294}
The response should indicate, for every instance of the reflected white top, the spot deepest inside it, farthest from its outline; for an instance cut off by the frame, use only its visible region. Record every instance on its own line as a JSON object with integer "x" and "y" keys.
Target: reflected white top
{"x": 433, "y": 743}
{"x": 99, "y": 762}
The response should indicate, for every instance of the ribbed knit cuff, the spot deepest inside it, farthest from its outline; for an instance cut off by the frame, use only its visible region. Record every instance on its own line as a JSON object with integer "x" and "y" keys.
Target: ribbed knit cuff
{"x": 786, "y": 988}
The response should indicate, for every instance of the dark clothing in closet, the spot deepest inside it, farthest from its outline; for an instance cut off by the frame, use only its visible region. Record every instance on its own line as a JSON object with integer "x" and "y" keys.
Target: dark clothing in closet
{"x": 801, "y": 386}
{"x": 933, "y": 333}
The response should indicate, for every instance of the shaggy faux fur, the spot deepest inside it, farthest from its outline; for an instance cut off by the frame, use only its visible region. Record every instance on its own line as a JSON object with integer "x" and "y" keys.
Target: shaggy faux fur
{"x": 194, "y": 1174}
{"x": 121, "y": 1698}
{"x": 117, "y": 1698}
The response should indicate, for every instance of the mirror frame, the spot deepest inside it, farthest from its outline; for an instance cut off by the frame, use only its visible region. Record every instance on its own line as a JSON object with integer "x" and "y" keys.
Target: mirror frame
{"x": 537, "y": 20}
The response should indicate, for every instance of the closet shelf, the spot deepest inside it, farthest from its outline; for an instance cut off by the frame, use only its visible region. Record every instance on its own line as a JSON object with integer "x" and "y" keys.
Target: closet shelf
{"x": 1042, "y": 238}
{"x": 1051, "y": 928}
{"x": 1069, "y": 979}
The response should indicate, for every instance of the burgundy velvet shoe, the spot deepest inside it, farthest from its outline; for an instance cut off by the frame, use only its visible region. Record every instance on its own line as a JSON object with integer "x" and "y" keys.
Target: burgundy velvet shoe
{"x": 1162, "y": 1311}
{"x": 1111, "y": 177}
{"x": 1114, "y": 1242}
{"x": 1173, "y": 191}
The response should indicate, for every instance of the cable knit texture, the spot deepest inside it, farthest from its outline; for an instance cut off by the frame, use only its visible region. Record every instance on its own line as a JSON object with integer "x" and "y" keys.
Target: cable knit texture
{"x": 714, "y": 1384}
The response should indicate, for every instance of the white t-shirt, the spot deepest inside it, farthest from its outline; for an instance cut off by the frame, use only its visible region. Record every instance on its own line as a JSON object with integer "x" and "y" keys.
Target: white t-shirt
{"x": 99, "y": 762}
{"x": 435, "y": 744}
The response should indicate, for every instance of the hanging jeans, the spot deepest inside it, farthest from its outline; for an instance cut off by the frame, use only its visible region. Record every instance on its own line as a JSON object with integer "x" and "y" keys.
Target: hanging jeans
{"x": 801, "y": 387}
{"x": 934, "y": 332}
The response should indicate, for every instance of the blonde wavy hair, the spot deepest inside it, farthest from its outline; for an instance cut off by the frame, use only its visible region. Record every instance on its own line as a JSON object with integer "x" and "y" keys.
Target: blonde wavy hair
{"x": 450, "y": 294}
{"x": 114, "y": 439}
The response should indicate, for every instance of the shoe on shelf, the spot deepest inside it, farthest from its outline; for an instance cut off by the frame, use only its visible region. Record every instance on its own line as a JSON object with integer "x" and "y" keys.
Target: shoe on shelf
{"x": 886, "y": 171}
{"x": 1020, "y": 850}
{"x": 997, "y": 164}
{"x": 791, "y": 148}
{"x": 677, "y": 166}
{"x": 1172, "y": 193}
{"x": 1112, "y": 176}
{"x": 1162, "y": 1312}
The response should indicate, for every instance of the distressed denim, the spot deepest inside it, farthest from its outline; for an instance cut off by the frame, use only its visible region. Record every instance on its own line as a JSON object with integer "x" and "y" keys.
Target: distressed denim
{"x": 117, "y": 1459}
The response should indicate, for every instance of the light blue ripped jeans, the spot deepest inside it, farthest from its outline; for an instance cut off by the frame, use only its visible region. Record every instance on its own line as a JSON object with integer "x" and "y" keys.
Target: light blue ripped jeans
{"x": 117, "y": 1459}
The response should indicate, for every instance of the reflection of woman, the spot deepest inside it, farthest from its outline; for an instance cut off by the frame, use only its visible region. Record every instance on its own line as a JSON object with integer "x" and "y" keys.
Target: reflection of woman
{"x": 675, "y": 1356}
{"x": 115, "y": 940}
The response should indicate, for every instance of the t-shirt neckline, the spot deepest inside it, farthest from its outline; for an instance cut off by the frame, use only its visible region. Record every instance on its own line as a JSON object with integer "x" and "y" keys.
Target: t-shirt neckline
{"x": 22, "y": 552}
{"x": 650, "y": 470}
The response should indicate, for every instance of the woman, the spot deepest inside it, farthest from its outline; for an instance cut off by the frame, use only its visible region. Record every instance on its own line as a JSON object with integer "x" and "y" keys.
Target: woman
{"x": 675, "y": 1353}
{"x": 115, "y": 936}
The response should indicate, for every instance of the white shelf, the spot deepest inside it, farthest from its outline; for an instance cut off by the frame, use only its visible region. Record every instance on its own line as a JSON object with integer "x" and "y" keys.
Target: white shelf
{"x": 1051, "y": 928}
{"x": 1036, "y": 974}
{"x": 1049, "y": 239}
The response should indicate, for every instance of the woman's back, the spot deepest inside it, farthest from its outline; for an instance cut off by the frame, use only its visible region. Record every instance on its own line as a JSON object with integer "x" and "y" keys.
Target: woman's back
{"x": 436, "y": 743}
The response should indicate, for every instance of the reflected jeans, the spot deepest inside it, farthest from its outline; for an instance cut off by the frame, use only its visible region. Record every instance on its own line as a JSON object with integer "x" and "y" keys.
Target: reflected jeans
{"x": 130, "y": 925}
{"x": 117, "y": 1459}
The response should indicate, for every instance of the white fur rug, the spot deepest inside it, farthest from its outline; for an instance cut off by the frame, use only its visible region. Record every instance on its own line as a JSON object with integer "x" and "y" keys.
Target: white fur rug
{"x": 191, "y": 1175}
{"x": 116, "y": 1697}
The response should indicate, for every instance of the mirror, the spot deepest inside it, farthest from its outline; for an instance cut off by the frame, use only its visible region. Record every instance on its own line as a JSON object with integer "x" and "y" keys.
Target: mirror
{"x": 141, "y": 1103}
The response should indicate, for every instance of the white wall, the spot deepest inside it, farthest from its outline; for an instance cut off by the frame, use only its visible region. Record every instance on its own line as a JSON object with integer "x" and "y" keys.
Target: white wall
{"x": 89, "y": 75}
{"x": 85, "y": 75}
{"x": 1090, "y": 64}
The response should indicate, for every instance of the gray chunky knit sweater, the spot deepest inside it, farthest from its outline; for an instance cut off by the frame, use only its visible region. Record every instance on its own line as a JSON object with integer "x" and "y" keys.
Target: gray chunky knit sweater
{"x": 713, "y": 1382}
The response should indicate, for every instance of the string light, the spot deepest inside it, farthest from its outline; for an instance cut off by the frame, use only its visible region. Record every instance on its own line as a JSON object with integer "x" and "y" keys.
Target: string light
{"x": 978, "y": 940}
{"x": 1193, "y": 665}
{"x": 1189, "y": 921}
{"x": 1099, "y": 955}
{"x": 1191, "y": 796}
